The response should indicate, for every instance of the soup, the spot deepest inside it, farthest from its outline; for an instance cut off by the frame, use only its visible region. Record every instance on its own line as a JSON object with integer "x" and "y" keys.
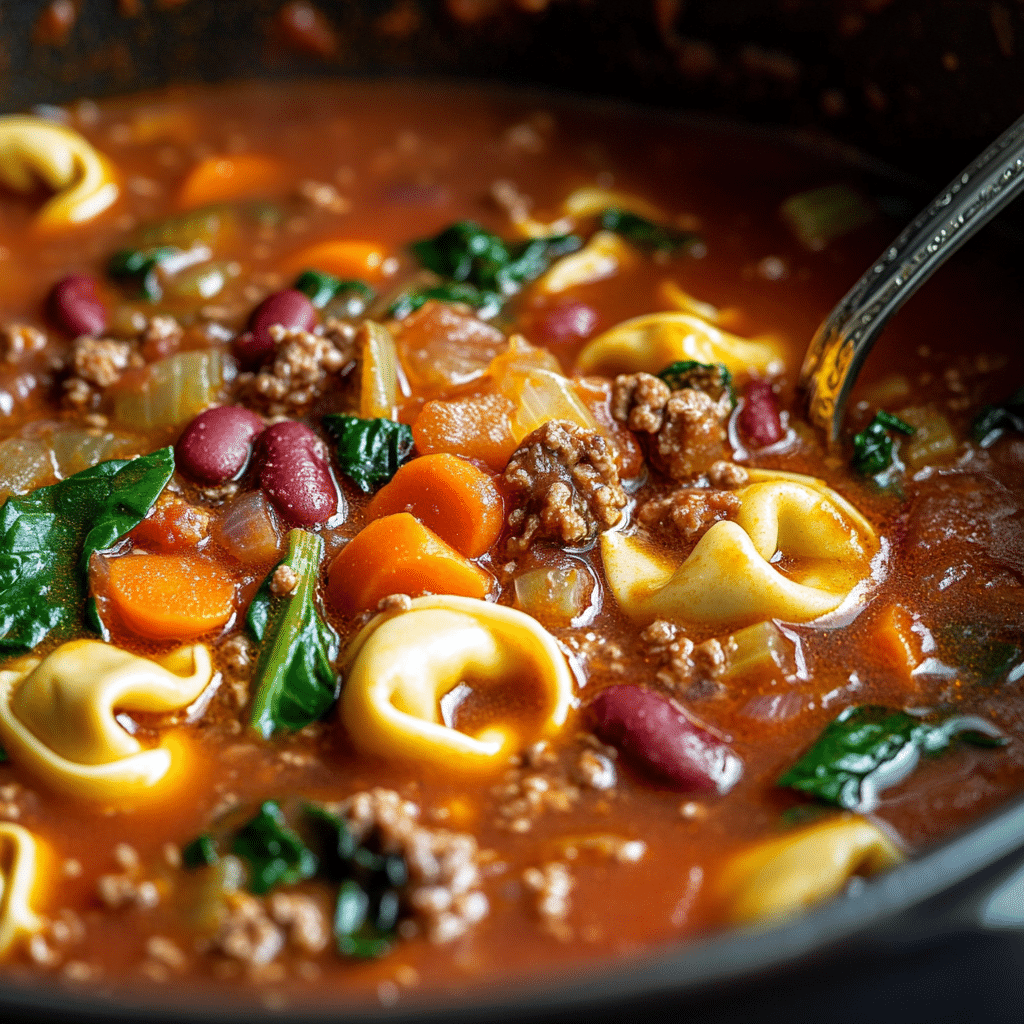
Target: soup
{"x": 418, "y": 572}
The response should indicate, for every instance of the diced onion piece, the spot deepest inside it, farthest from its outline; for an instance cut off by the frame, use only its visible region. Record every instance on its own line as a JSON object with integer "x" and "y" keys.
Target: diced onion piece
{"x": 540, "y": 396}
{"x": 248, "y": 530}
{"x": 758, "y": 647}
{"x": 381, "y": 382}
{"x": 174, "y": 390}
{"x": 602, "y": 257}
{"x": 825, "y": 214}
{"x": 25, "y": 464}
{"x": 203, "y": 282}
{"x": 933, "y": 439}
{"x": 75, "y": 449}
{"x": 557, "y": 594}
{"x": 590, "y": 201}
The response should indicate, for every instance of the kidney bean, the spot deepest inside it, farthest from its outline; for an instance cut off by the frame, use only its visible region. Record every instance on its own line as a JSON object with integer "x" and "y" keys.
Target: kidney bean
{"x": 217, "y": 444}
{"x": 565, "y": 322}
{"x": 655, "y": 734}
{"x": 759, "y": 417}
{"x": 294, "y": 474}
{"x": 76, "y": 307}
{"x": 289, "y": 308}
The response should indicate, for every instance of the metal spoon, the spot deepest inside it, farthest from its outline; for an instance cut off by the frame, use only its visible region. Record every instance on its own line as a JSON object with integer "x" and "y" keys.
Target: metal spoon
{"x": 842, "y": 342}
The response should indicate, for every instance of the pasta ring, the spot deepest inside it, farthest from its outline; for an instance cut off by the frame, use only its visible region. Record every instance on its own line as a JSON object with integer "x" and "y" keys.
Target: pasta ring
{"x": 20, "y": 854}
{"x": 400, "y": 666}
{"x": 57, "y": 715}
{"x": 32, "y": 149}
{"x": 729, "y": 578}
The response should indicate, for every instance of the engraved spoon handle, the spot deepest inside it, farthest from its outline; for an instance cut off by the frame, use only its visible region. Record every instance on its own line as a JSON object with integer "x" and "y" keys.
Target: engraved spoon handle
{"x": 843, "y": 341}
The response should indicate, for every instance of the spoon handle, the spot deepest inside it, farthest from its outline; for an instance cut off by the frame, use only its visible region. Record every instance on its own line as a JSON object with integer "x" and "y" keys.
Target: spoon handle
{"x": 843, "y": 341}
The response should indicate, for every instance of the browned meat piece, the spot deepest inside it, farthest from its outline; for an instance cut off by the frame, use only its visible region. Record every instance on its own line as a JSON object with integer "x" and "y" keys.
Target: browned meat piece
{"x": 686, "y": 427}
{"x": 18, "y": 341}
{"x": 691, "y": 510}
{"x": 727, "y": 475}
{"x": 570, "y": 482}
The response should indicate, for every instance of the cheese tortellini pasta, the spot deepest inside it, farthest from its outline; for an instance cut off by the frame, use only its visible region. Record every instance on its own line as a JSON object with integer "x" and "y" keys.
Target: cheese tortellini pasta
{"x": 784, "y": 876}
{"x": 34, "y": 150}
{"x": 400, "y": 666}
{"x": 732, "y": 578}
{"x": 57, "y": 715}
{"x": 21, "y": 855}
{"x": 650, "y": 343}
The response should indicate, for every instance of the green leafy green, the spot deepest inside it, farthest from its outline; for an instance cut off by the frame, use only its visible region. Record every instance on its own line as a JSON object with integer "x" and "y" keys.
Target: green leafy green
{"x": 47, "y": 538}
{"x": 712, "y": 378}
{"x": 995, "y": 420}
{"x": 487, "y": 304}
{"x": 369, "y": 451}
{"x": 200, "y": 853}
{"x": 294, "y": 681}
{"x": 139, "y": 266}
{"x": 869, "y": 748}
{"x": 467, "y": 253}
{"x": 323, "y": 288}
{"x": 872, "y": 447}
{"x": 274, "y": 853}
{"x": 644, "y": 233}
{"x": 3, "y": 756}
{"x": 824, "y": 214}
{"x": 983, "y": 659}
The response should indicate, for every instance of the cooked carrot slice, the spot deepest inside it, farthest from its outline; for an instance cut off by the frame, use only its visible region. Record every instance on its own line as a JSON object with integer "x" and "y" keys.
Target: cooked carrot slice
{"x": 346, "y": 258}
{"x": 399, "y": 555}
{"x": 219, "y": 179}
{"x": 475, "y": 428}
{"x": 449, "y": 495}
{"x": 895, "y": 641}
{"x": 169, "y": 597}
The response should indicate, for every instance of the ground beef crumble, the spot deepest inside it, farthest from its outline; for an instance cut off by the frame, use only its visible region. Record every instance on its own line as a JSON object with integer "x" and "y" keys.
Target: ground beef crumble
{"x": 18, "y": 341}
{"x": 692, "y": 511}
{"x": 694, "y": 669}
{"x": 568, "y": 483}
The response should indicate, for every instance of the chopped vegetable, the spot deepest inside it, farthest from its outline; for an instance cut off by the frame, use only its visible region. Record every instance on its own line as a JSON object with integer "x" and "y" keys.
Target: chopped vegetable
{"x": 933, "y": 440}
{"x": 200, "y": 853}
{"x": 982, "y": 658}
{"x": 169, "y": 597}
{"x": 323, "y": 288}
{"x": 995, "y": 420}
{"x": 555, "y": 594}
{"x": 872, "y": 447}
{"x": 712, "y": 378}
{"x": 381, "y": 380}
{"x": 477, "y": 427}
{"x": 294, "y": 681}
{"x": 399, "y": 555}
{"x": 274, "y": 853}
{"x": 451, "y": 496}
{"x": 369, "y": 452}
{"x": 139, "y": 267}
{"x": 486, "y": 303}
{"x": 604, "y": 255}
{"x": 343, "y": 258}
{"x": 825, "y": 214}
{"x": 645, "y": 233}
{"x": 869, "y": 748}
{"x": 211, "y": 226}
{"x": 47, "y": 538}
{"x": 218, "y": 179}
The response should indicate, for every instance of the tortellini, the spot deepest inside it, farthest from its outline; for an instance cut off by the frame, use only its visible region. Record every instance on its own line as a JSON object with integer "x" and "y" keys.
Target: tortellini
{"x": 601, "y": 257}
{"x": 650, "y": 343}
{"x": 20, "y": 875}
{"x": 782, "y": 877}
{"x": 731, "y": 579}
{"x": 57, "y": 715}
{"x": 400, "y": 666}
{"x": 34, "y": 150}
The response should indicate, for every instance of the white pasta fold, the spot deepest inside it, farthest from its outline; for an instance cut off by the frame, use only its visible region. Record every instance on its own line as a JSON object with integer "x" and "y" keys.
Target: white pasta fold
{"x": 732, "y": 577}
{"x": 603, "y": 256}
{"x": 33, "y": 150}
{"x": 20, "y": 876}
{"x": 57, "y": 715}
{"x": 783, "y": 876}
{"x": 651, "y": 342}
{"x": 399, "y": 667}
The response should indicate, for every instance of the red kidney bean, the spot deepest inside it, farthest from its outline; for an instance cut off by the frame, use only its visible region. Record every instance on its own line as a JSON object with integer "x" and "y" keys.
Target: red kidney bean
{"x": 294, "y": 473}
{"x": 651, "y": 731}
{"x": 564, "y": 322}
{"x": 216, "y": 445}
{"x": 290, "y": 309}
{"x": 759, "y": 417}
{"x": 76, "y": 307}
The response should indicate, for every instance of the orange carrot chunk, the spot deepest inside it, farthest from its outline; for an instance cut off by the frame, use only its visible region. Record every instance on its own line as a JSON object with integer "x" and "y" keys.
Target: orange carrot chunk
{"x": 169, "y": 597}
{"x": 476, "y": 428}
{"x": 346, "y": 258}
{"x": 399, "y": 555}
{"x": 220, "y": 179}
{"x": 450, "y": 496}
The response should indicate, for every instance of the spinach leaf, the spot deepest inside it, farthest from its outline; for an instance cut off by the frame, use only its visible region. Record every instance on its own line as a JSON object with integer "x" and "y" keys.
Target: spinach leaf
{"x": 140, "y": 266}
{"x": 467, "y": 253}
{"x": 275, "y": 854}
{"x": 47, "y": 538}
{"x": 994, "y": 420}
{"x": 487, "y": 304}
{"x": 323, "y": 288}
{"x": 869, "y": 748}
{"x": 713, "y": 379}
{"x": 295, "y": 683}
{"x": 356, "y": 933}
{"x": 872, "y": 447}
{"x": 369, "y": 451}
{"x": 645, "y": 234}
{"x": 200, "y": 853}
